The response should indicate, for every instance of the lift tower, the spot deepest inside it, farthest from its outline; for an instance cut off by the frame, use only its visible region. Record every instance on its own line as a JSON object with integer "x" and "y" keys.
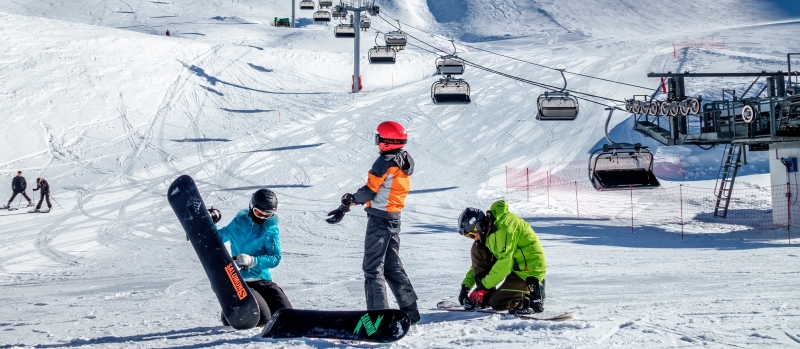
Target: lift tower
{"x": 356, "y": 6}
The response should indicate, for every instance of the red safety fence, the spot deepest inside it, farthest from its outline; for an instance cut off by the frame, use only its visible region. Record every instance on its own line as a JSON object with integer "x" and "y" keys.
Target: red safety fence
{"x": 684, "y": 206}
{"x": 703, "y": 43}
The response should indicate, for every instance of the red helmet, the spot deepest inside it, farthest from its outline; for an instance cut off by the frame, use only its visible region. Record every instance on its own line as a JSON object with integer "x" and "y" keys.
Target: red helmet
{"x": 390, "y": 136}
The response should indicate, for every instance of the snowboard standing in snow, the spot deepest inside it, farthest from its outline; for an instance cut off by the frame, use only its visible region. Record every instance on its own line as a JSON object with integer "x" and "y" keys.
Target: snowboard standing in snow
{"x": 453, "y": 306}
{"x": 379, "y": 326}
{"x": 238, "y": 304}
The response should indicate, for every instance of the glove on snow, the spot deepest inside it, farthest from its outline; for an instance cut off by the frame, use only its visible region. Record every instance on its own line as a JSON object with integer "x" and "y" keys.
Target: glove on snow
{"x": 464, "y": 294}
{"x": 337, "y": 214}
{"x": 348, "y": 199}
{"x": 245, "y": 261}
{"x": 215, "y": 214}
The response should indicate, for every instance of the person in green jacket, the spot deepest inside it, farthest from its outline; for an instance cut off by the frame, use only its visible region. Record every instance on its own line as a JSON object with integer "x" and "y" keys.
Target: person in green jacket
{"x": 506, "y": 250}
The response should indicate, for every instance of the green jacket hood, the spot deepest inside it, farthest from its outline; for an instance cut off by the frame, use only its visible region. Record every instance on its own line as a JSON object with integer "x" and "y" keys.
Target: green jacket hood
{"x": 499, "y": 209}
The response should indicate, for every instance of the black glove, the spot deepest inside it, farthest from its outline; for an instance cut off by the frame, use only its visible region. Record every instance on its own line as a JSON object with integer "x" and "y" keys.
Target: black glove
{"x": 348, "y": 199}
{"x": 337, "y": 214}
{"x": 464, "y": 294}
{"x": 215, "y": 214}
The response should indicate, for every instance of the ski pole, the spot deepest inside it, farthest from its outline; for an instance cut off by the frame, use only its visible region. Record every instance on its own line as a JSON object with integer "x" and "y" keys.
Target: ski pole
{"x": 54, "y": 200}
{"x": 19, "y": 202}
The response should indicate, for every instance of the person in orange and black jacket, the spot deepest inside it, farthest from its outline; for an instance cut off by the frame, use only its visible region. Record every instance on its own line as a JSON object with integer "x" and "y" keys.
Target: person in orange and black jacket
{"x": 384, "y": 195}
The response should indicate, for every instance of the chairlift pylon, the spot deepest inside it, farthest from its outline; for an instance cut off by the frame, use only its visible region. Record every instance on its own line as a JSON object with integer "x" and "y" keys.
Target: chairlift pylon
{"x": 557, "y": 105}
{"x": 381, "y": 54}
{"x": 322, "y": 16}
{"x": 621, "y": 166}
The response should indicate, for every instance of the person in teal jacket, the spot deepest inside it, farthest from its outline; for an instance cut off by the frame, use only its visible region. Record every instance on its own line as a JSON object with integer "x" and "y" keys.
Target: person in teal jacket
{"x": 255, "y": 243}
{"x": 508, "y": 262}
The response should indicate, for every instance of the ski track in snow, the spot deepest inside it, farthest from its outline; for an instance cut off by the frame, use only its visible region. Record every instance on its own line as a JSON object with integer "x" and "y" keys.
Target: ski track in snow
{"x": 99, "y": 102}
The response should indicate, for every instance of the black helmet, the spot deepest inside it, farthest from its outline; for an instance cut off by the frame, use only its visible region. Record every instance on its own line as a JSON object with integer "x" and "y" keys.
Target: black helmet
{"x": 471, "y": 222}
{"x": 264, "y": 200}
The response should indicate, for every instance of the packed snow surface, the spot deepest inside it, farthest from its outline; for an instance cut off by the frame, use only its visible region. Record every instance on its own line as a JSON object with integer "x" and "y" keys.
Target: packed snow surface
{"x": 98, "y": 101}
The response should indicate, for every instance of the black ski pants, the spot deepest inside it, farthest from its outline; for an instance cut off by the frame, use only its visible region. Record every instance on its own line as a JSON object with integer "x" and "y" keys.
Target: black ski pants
{"x": 270, "y": 298}
{"x": 15, "y": 195}
{"x": 45, "y": 196}
{"x": 382, "y": 265}
{"x": 505, "y": 296}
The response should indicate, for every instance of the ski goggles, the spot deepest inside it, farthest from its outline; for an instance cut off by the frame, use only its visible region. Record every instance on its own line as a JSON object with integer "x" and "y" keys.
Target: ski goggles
{"x": 263, "y": 214}
{"x": 379, "y": 140}
{"x": 474, "y": 235}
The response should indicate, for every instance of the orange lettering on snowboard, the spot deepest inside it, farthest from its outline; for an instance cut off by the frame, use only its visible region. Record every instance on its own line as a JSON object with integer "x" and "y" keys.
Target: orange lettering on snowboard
{"x": 236, "y": 281}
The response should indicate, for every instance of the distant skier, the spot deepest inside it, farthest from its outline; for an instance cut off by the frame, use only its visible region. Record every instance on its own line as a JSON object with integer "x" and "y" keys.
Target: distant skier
{"x": 255, "y": 244}
{"x": 168, "y": 32}
{"x": 384, "y": 194}
{"x": 505, "y": 248}
{"x": 18, "y": 186}
{"x": 42, "y": 185}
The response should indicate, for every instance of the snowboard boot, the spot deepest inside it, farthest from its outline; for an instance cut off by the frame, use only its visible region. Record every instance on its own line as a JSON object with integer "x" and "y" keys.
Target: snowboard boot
{"x": 413, "y": 312}
{"x": 536, "y": 296}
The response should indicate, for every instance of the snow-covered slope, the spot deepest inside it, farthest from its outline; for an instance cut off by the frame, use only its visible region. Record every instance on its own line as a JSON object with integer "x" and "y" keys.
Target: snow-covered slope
{"x": 111, "y": 115}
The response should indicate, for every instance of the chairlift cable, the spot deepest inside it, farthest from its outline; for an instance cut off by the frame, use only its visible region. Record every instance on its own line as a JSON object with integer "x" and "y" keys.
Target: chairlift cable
{"x": 522, "y": 60}
{"x": 579, "y": 95}
{"x": 531, "y": 82}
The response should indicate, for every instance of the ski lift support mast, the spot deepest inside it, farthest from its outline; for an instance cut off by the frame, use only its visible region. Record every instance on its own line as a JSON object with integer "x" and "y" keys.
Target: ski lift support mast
{"x": 357, "y": 6}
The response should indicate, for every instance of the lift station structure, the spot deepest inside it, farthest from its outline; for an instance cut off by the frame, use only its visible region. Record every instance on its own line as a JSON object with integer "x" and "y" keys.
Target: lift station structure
{"x": 766, "y": 120}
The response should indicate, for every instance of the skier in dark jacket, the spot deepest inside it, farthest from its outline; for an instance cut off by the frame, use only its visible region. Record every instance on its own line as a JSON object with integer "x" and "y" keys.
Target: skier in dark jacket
{"x": 18, "y": 186}
{"x": 45, "y": 194}
{"x": 254, "y": 237}
{"x": 384, "y": 194}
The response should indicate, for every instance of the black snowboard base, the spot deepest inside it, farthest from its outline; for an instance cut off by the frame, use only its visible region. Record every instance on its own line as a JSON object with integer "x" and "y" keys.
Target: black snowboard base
{"x": 453, "y": 306}
{"x": 378, "y": 326}
{"x": 236, "y": 299}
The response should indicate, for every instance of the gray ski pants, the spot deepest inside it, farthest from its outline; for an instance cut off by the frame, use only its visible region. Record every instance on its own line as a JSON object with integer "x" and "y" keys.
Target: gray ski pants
{"x": 382, "y": 265}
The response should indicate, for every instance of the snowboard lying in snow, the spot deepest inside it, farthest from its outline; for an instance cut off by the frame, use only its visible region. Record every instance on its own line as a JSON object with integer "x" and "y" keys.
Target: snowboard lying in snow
{"x": 236, "y": 299}
{"x": 453, "y": 306}
{"x": 379, "y": 326}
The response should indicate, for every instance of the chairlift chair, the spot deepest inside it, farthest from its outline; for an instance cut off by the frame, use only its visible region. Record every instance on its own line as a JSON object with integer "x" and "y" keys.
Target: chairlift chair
{"x": 338, "y": 12}
{"x": 396, "y": 39}
{"x": 448, "y": 65}
{"x": 450, "y": 91}
{"x": 557, "y": 105}
{"x": 365, "y": 23}
{"x": 307, "y": 5}
{"x": 322, "y": 16}
{"x": 622, "y": 166}
{"x": 382, "y": 54}
{"x": 325, "y": 3}
{"x": 344, "y": 31}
